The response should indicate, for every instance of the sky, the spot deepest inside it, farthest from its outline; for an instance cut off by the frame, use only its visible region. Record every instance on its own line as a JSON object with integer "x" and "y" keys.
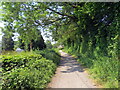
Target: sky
{"x": 1, "y": 25}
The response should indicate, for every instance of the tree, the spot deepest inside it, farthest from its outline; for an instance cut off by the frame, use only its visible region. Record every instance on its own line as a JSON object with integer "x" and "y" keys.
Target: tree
{"x": 22, "y": 20}
{"x": 7, "y": 43}
{"x": 48, "y": 44}
{"x": 80, "y": 26}
{"x": 39, "y": 43}
{"x": 34, "y": 44}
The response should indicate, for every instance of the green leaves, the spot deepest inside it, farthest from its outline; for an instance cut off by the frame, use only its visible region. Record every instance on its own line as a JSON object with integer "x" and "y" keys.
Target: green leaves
{"x": 23, "y": 17}
{"x": 16, "y": 61}
{"x": 28, "y": 70}
{"x": 95, "y": 40}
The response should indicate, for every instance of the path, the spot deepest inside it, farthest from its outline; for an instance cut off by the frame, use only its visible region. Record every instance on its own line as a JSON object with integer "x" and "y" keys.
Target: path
{"x": 70, "y": 75}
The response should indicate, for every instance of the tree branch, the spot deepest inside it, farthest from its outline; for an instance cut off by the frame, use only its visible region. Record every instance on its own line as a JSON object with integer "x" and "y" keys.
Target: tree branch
{"x": 72, "y": 17}
{"x": 52, "y": 21}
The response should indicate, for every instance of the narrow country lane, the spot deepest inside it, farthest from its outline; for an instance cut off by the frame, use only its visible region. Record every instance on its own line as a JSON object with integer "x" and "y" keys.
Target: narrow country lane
{"x": 70, "y": 74}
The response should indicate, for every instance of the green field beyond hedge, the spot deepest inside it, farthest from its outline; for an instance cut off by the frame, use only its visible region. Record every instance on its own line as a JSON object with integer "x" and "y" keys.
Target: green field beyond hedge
{"x": 29, "y": 70}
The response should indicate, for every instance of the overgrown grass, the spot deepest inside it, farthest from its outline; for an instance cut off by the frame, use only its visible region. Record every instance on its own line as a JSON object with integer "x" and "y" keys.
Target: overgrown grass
{"x": 103, "y": 69}
{"x": 28, "y": 70}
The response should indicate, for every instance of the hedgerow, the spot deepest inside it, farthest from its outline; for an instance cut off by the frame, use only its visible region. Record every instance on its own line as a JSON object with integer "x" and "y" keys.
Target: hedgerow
{"x": 27, "y": 70}
{"x": 15, "y": 61}
{"x": 36, "y": 75}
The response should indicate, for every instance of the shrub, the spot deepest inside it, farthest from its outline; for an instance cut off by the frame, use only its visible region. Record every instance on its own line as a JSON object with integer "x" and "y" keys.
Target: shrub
{"x": 15, "y": 61}
{"x": 36, "y": 75}
{"x": 28, "y": 70}
{"x": 50, "y": 54}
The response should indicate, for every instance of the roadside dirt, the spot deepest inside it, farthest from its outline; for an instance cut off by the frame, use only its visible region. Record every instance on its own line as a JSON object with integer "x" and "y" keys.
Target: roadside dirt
{"x": 70, "y": 74}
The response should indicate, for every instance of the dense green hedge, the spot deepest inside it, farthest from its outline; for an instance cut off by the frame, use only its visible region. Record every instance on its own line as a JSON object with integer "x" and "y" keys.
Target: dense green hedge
{"x": 28, "y": 70}
{"x": 36, "y": 75}
{"x": 16, "y": 61}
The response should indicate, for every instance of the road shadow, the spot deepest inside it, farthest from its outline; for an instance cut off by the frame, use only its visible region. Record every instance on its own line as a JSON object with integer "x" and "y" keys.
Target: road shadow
{"x": 71, "y": 64}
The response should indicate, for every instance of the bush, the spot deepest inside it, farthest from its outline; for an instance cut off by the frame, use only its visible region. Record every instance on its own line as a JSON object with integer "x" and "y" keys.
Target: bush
{"x": 36, "y": 75}
{"x": 28, "y": 70}
{"x": 15, "y": 61}
{"x": 50, "y": 54}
